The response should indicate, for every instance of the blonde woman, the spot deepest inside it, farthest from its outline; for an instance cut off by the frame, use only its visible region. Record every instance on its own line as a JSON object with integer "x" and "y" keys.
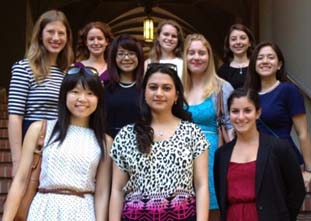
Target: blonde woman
{"x": 168, "y": 45}
{"x": 36, "y": 80}
{"x": 202, "y": 85}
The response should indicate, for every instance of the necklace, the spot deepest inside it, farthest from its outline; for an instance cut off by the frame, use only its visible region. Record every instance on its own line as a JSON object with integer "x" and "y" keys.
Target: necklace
{"x": 270, "y": 88}
{"x": 127, "y": 85}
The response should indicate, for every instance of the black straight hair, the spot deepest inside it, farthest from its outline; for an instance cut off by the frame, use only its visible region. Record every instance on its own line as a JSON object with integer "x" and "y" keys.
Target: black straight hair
{"x": 97, "y": 121}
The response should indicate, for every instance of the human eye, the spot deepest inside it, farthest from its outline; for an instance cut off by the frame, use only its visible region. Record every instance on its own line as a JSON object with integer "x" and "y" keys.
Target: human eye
{"x": 233, "y": 38}
{"x": 191, "y": 52}
{"x": 61, "y": 33}
{"x": 260, "y": 57}
{"x": 120, "y": 53}
{"x": 202, "y": 53}
{"x": 153, "y": 87}
{"x": 174, "y": 36}
{"x": 234, "y": 111}
{"x": 90, "y": 93}
{"x": 167, "y": 87}
{"x": 132, "y": 53}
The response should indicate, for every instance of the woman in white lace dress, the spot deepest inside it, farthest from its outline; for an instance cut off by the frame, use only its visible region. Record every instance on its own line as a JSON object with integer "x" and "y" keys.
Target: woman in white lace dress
{"x": 75, "y": 171}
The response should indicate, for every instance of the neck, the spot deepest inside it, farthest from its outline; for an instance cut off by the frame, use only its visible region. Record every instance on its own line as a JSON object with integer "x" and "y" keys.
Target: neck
{"x": 267, "y": 83}
{"x": 53, "y": 58}
{"x": 126, "y": 77}
{"x": 249, "y": 137}
{"x": 79, "y": 122}
{"x": 198, "y": 80}
{"x": 167, "y": 54}
{"x": 240, "y": 60}
{"x": 163, "y": 118}
{"x": 99, "y": 59}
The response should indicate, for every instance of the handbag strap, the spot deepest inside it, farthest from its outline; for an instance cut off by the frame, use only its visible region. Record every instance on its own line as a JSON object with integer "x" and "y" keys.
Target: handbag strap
{"x": 220, "y": 106}
{"x": 41, "y": 137}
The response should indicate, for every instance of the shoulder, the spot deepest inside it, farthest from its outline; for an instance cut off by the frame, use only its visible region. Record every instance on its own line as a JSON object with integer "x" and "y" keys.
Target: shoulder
{"x": 22, "y": 64}
{"x": 223, "y": 67}
{"x": 109, "y": 141}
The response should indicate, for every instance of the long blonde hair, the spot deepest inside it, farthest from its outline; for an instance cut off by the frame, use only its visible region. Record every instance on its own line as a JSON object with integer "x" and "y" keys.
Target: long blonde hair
{"x": 212, "y": 81}
{"x": 38, "y": 55}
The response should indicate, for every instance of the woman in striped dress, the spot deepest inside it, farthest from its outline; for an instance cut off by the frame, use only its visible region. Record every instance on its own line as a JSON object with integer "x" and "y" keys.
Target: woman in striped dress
{"x": 36, "y": 79}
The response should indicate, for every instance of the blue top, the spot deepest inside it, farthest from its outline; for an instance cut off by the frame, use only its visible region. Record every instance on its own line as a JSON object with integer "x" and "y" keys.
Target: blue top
{"x": 278, "y": 108}
{"x": 204, "y": 115}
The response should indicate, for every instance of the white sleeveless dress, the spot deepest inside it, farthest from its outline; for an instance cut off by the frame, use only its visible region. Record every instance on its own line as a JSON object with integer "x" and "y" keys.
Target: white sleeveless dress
{"x": 72, "y": 165}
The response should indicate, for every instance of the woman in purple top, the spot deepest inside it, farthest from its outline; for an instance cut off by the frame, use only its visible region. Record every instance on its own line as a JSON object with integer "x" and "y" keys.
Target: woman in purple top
{"x": 281, "y": 102}
{"x": 91, "y": 50}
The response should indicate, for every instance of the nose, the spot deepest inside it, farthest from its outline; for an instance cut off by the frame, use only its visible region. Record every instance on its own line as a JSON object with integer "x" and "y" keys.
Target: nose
{"x": 95, "y": 41}
{"x": 159, "y": 92}
{"x": 81, "y": 97}
{"x": 55, "y": 36}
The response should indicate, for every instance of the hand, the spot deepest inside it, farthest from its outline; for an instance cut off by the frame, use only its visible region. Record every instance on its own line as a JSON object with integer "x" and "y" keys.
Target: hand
{"x": 307, "y": 179}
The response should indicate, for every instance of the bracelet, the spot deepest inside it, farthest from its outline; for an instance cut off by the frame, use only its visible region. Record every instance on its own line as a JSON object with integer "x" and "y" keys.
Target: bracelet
{"x": 307, "y": 169}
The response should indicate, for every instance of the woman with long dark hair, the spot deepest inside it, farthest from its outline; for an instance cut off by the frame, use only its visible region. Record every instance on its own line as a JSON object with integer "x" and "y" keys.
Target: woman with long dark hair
{"x": 75, "y": 171}
{"x": 281, "y": 102}
{"x": 160, "y": 162}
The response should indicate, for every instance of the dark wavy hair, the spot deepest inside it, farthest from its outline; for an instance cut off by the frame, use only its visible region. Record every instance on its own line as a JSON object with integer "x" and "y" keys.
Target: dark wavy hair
{"x": 82, "y": 52}
{"x": 142, "y": 128}
{"x": 228, "y": 55}
{"x": 253, "y": 80}
{"x": 97, "y": 120}
{"x": 126, "y": 42}
{"x": 155, "y": 53}
{"x": 249, "y": 93}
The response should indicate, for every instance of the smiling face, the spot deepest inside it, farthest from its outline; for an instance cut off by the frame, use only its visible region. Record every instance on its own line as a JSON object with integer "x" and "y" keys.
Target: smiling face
{"x": 168, "y": 38}
{"x": 243, "y": 115}
{"x": 96, "y": 42}
{"x": 54, "y": 37}
{"x": 267, "y": 62}
{"x": 197, "y": 57}
{"x": 126, "y": 60}
{"x": 239, "y": 42}
{"x": 81, "y": 103}
{"x": 160, "y": 93}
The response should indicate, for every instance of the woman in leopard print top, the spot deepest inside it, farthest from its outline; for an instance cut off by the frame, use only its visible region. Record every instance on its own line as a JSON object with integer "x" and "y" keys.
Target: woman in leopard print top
{"x": 160, "y": 163}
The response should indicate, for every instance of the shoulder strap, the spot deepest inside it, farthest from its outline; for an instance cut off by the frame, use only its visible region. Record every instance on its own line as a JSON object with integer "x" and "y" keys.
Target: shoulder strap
{"x": 220, "y": 104}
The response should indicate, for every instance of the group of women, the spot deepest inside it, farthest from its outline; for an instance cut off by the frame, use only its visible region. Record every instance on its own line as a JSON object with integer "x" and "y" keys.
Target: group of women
{"x": 156, "y": 120}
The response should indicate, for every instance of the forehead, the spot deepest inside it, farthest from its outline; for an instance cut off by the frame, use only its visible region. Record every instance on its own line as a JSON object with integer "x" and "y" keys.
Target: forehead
{"x": 95, "y": 31}
{"x": 241, "y": 102}
{"x": 197, "y": 44}
{"x": 55, "y": 25}
{"x": 169, "y": 28}
{"x": 266, "y": 50}
{"x": 160, "y": 78}
{"x": 236, "y": 33}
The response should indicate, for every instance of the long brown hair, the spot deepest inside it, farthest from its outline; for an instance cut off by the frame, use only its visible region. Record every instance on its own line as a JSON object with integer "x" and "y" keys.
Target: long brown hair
{"x": 38, "y": 55}
{"x": 155, "y": 53}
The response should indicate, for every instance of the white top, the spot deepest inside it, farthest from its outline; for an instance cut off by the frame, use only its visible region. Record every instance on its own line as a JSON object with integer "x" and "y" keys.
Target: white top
{"x": 177, "y": 61}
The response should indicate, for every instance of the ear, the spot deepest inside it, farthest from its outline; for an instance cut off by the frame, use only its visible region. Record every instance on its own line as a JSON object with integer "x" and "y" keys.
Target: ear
{"x": 280, "y": 65}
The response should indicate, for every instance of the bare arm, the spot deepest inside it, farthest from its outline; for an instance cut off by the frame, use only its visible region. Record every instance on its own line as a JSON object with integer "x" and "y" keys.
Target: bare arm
{"x": 103, "y": 181}
{"x": 19, "y": 183}
{"x": 201, "y": 186}
{"x": 300, "y": 125}
{"x": 119, "y": 180}
{"x": 15, "y": 139}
